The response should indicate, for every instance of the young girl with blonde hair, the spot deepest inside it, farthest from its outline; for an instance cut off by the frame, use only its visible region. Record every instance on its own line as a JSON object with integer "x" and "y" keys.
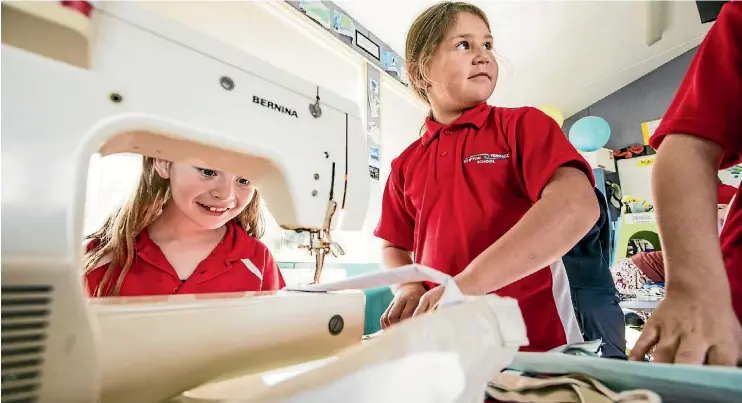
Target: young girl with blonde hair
{"x": 185, "y": 230}
{"x": 492, "y": 196}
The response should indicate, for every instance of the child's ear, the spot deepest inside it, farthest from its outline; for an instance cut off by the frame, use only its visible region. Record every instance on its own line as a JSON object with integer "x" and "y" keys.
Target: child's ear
{"x": 163, "y": 168}
{"x": 413, "y": 73}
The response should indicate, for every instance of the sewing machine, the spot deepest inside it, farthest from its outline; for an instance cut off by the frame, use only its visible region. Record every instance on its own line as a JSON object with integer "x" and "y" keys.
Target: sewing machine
{"x": 116, "y": 79}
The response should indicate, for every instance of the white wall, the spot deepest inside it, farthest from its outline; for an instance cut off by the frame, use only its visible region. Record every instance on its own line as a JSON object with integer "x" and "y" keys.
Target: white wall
{"x": 402, "y": 117}
{"x": 290, "y": 42}
{"x": 250, "y": 26}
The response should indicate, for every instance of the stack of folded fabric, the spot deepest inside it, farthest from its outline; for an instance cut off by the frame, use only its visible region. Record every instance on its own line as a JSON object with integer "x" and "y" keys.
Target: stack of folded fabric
{"x": 517, "y": 387}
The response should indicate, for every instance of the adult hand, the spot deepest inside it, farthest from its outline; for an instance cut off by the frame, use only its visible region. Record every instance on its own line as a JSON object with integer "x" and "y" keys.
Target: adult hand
{"x": 403, "y": 305}
{"x": 689, "y": 328}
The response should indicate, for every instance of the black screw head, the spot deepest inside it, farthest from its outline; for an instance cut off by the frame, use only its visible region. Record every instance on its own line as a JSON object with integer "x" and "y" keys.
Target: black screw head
{"x": 327, "y": 155}
{"x": 336, "y": 325}
{"x": 226, "y": 83}
{"x": 314, "y": 192}
{"x": 315, "y": 110}
{"x": 116, "y": 97}
{"x": 316, "y": 177}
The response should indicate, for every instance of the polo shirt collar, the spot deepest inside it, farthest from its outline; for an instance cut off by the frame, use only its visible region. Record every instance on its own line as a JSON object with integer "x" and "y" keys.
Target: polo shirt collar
{"x": 475, "y": 116}
{"x": 236, "y": 245}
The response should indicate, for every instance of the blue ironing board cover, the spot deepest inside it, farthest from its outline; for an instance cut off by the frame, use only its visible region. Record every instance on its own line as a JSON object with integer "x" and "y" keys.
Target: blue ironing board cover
{"x": 674, "y": 383}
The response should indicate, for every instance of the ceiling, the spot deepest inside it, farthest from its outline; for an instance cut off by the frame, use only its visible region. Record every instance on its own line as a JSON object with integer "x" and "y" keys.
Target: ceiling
{"x": 567, "y": 54}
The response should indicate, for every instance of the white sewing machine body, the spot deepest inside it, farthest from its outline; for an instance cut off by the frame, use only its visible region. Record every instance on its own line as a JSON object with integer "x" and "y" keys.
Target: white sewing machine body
{"x": 169, "y": 82}
{"x": 160, "y": 89}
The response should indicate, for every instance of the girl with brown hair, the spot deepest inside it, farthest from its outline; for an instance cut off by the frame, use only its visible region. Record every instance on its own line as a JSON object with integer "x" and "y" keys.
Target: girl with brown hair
{"x": 185, "y": 230}
{"x": 492, "y": 196}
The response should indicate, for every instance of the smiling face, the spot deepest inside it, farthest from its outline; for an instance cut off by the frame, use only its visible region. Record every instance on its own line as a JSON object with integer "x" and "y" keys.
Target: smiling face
{"x": 463, "y": 70}
{"x": 207, "y": 197}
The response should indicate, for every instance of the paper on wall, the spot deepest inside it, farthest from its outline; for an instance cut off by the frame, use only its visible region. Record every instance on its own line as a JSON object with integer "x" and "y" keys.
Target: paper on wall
{"x": 317, "y": 11}
{"x": 405, "y": 274}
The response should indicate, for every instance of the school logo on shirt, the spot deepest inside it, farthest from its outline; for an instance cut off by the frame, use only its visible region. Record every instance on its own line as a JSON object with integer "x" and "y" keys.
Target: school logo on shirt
{"x": 486, "y": 158}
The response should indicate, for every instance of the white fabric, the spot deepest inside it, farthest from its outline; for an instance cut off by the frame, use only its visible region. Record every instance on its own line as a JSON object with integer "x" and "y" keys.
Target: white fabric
{"x": 446, "y": 356}
{"x": 563, "y": 301}
{"x": 274, "y": 377}
{"x": 254, "y": 269}
{"x": 430, "y": 377}
{"x": 403, "y": 274}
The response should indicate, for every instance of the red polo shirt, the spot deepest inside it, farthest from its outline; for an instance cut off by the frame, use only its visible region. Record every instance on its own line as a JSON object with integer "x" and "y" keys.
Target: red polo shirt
{"x": 725, "y": 193}
{"x": 458, "y": 189}
{"x": 709, "y": 105}
{"x": 239, "y": 263}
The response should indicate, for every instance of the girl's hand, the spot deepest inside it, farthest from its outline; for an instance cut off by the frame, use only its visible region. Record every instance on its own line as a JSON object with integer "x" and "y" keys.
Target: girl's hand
{"x": 688, "y": 328}
{"x": 403, "y": 305}
{"x": 429, "y": 301}
{"x": 466, "y": 282}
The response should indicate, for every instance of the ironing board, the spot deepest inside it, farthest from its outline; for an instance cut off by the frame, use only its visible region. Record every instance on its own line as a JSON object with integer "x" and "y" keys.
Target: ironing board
{"x": 674, "y": 383}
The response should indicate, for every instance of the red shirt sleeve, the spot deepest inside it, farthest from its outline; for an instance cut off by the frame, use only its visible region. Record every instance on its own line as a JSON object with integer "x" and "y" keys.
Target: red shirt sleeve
{"x": 541, "y": 148}
{"x": 709, "y": 100}
{"x": 396, "y": 224}
{"x": 272, "y": 278}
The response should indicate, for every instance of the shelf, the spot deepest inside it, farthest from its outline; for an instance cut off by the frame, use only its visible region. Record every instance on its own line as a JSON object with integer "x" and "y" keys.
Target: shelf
{"x": 54, "y": 29}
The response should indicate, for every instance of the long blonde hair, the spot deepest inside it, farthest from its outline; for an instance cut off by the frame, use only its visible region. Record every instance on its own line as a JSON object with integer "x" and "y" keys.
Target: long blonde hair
{"x": 117, "y": 236}
{"x": 426, "y": 34}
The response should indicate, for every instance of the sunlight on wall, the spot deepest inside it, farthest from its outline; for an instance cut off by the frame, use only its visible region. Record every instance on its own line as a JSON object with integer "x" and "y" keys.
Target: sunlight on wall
{"x": 111, "y": 181}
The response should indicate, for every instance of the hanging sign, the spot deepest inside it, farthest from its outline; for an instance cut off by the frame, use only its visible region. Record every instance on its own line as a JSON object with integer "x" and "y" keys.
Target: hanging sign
{"x": 354, "y": 35}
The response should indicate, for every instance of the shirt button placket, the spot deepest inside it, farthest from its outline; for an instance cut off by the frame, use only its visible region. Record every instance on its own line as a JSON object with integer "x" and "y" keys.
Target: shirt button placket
{"x": 445, "y": 154}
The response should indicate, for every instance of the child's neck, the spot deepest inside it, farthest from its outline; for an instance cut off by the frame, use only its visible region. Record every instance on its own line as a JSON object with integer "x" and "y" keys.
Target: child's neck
{"x": 445, "y": 117}
{"x": 172, "y": 225}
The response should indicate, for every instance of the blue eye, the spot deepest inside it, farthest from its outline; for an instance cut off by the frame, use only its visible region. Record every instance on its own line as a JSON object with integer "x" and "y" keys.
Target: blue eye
{"x": 206, "y": 172}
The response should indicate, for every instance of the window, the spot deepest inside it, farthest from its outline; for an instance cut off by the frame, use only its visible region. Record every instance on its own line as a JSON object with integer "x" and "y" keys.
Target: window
{"x": 111, "y": 181}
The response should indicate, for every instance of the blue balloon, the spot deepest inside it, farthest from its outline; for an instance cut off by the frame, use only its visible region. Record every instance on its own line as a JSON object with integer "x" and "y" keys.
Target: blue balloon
{"x": 589, "y": 134}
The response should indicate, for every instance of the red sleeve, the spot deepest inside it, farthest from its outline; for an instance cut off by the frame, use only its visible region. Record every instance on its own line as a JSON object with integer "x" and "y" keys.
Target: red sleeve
{"x": 272, "y": 278}
{"x": 541, "y": 148}
{"x": 396, "y": 225}
{"x": 709, "y": 100}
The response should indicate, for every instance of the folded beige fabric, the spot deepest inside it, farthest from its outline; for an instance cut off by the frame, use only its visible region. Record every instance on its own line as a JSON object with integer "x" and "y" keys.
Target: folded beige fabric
{"x": 516, "y": 388}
